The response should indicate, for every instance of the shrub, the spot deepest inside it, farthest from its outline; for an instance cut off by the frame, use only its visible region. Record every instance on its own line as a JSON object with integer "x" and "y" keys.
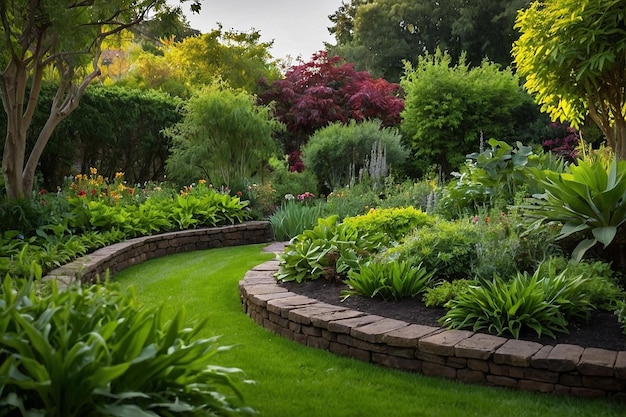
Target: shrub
{"x": 330, "y": 249}
{"x": 394, "y": 223}
{"x": 351, "y": 201}
{"x": 600, "y": 284}
{"x": 294, "y": 218}
{"x": 445, "y": 291}
{"x": 388, "y": 280}
{"x": 91, "y": 351}
{"x": 448, "y": 248}
{"x": 526, "y": 302}
{"x": 338, "y": 152}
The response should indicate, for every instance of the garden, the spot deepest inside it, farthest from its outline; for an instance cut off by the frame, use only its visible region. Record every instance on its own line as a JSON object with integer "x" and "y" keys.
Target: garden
{"x": 461, "y": 194}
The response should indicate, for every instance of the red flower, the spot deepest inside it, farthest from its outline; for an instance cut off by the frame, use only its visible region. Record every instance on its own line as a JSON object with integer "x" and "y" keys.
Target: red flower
{"x": 82, "y": 193}
{"x": 42, "y": 191}
{"x": 94, "y": 191}
{"x": 131, "y": 191}
{"x": 239, "y": 193}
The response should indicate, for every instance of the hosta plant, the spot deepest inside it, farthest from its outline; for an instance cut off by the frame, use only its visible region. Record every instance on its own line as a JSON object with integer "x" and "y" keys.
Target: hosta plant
{"x": 92, "y": 352}
{"x": 329, "y": 249}
{"x": 543, "y": 304}
{"x": 589, "y": 200}
{"x": 395, "y": 279}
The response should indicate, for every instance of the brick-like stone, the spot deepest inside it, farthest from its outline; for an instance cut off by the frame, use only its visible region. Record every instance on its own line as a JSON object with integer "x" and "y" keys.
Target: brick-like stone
{"x": 435, "y": 369}
{"x": 620, "y": 365}
{"x": 516, "y": 353}
{"x": 359, "y": 354}
{"x": 311, "y": 331}
{"x": 587, "y": 392}
{"x": 535, "y": 386}
{"x": 564, "y": 357}
{"x": 259, "y": 289}
{"x": 540, "y": 359}
{"x": 471, "y": 376}
{"x": 346, "y": 325}
{"x": 324, "y": 319}
{"x": 430, "y": 357}
{"x": 597, "y": 362}
{"x": 408, "y": 353}
{"x": 443, "y": 343}
{"x": 541, "y": 375}
{"x": 516, "y": 372}
{"x": 478, "y": 365}
{"x": 317, "y": 342}
{"x": 303, "y": 315}
{"x": 502, "y": 381}
{"x": 456, "y": 362}
{"x": 571, "y": 380}
{"x": 375, "y": 331}
{"x": 406, "y": 364}
{"x": 410, "y": 335}
{"x": 603, "y": 383}
{"x": 339, "y": 348}
{"x": 479, "y": 346}
{"x": 283, "y": 305}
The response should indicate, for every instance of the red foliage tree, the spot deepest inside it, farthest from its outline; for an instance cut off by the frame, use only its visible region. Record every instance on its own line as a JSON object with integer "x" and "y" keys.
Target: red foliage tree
{"x": 326, "y": 90}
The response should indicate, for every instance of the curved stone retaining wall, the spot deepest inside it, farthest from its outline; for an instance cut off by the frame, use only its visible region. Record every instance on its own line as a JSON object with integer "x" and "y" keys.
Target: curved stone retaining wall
{"x": 121, "y": 255}
{"x": 454, "y": 354}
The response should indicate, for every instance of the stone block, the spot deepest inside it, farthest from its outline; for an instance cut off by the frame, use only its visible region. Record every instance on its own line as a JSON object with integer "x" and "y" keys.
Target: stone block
{"x": 443, "y": 343}
{"x": 597, "y": 362}
{"x": 516, "y": 353}
{"x": 479, "y": 346}
{"x": 374, "y": 332}
{"x": 410, "y": 335}
{"x": 324, "y": 319}
{"x": 471, "y": 376}
{"x": 541, "y": 375}
{"x": 405, "y": 364}
{"x": 303, "y": 315}
{"x": 346, "y": 325}
{"x": 540, "y": 359}
{"x": 435, "y": 369}
{"x": 564, "y": 357}
{"x": 620, "y": 365}
{"x": 535, "y": 386}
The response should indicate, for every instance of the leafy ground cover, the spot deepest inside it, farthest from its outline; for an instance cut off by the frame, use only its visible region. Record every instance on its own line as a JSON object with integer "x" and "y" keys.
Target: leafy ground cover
{"x": 291, "y": 379}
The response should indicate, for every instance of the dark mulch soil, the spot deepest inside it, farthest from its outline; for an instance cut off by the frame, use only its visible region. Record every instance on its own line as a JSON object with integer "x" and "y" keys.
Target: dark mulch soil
{"x": 602, "y": 331}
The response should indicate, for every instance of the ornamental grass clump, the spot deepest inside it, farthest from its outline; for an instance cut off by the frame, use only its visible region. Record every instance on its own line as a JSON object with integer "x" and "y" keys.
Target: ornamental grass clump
{"x": 542, "y": 303}
{"x": 88, "y": 351}
{"x": 389, "y": 280}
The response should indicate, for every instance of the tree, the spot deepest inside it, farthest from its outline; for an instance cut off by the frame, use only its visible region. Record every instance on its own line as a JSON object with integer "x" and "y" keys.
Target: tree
{"x": 325, "y": 90}
{"x": 378, "y": 35}
{"x": 238, "y": 58}
{"x": 573, "y": 56}
{"x": 57, "y": 37}
{"x": 448, "y": 108}
{"x": 224, "y": 136}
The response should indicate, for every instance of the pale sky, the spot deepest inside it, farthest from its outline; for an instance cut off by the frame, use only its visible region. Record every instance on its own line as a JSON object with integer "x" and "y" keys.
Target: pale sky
{"x": 298, "y": 27}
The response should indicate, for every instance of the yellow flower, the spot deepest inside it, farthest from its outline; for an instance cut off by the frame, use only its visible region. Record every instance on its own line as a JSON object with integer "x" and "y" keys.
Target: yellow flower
{"x": 119, "y": 175}
{"x": 93, "y": 170}
{"x": 121, "y": 187}
{"x": 201, "y": 181}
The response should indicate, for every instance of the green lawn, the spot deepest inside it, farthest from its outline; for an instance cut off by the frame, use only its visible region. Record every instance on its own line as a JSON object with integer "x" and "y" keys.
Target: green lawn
{"x": 293, "y": 380}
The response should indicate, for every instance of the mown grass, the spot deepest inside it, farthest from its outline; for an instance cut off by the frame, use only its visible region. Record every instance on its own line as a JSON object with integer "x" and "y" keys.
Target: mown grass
{"x": 293, "y": 380}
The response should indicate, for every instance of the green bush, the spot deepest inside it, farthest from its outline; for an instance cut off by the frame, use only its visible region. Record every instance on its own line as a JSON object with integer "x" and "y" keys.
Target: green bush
{"x": 600, "y": 285}
{"x": 337, "y": 153}
{"x": 408, "y": 193}
{"x": 394, "y": 223}
{"x": 445, "y": 291}
{"x": 448, "y": 248}
{"x": 293, "y": 218}
{"x": 351, "y": 201}
{"x": 328, "y": 250}
{"x": 543, "y": 303}
{"x": 388, "y": 280}
{"x": 91, "y": 351}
